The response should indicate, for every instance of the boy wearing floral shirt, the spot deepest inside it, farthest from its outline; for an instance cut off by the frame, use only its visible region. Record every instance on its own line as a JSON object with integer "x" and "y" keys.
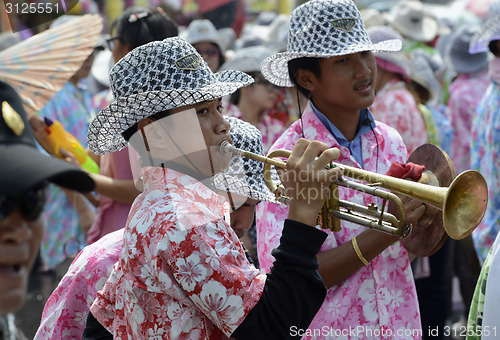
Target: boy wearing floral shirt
{"x": 182, "y": 272}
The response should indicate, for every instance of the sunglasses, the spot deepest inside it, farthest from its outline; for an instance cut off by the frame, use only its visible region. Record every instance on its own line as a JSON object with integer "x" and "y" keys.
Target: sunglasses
{"x": 31, "y": 203}
{"x": 211, "y": 51}
{"x": 111, "y": 42}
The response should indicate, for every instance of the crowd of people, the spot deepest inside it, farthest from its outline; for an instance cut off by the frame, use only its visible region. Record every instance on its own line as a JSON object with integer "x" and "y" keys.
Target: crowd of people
{"x": 177, "y": 237}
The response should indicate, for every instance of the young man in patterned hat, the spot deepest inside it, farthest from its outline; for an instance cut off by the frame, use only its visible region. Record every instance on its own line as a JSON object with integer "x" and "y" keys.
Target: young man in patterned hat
{"x": 182, "y": 272}
{"x": 331, "y": 60}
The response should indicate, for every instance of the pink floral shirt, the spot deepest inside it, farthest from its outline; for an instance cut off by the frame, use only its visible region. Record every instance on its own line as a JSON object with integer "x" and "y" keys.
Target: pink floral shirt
{"x": 396, "y": 106}
{"x": 182, "y": 272}
{"x": 65, "y": 313}
{"x": 270, "y": 128}
{"x": 379, "y": 298}
{"x": 465, "y": 93}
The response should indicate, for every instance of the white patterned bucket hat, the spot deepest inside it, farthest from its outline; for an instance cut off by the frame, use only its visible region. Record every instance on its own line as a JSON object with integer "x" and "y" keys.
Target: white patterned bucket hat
{"x": 158, "y": 76}
{"x": 245, "y": 176}
{"x": 489, "y": 32}
{"x": 322, "y": 29}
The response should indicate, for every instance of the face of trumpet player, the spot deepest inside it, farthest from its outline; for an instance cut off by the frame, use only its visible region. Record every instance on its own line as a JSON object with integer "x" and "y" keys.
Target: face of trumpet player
{"x": 190, "y": 136}
{"x": 339, "y": 86}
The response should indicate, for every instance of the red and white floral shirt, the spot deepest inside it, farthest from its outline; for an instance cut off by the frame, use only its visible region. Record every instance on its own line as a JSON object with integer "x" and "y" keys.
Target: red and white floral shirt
{"x": 182, "y": 272}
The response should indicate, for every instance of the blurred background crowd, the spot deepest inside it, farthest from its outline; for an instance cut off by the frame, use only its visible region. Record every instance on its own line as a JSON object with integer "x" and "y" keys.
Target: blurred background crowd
{"x": 429, "y": 92}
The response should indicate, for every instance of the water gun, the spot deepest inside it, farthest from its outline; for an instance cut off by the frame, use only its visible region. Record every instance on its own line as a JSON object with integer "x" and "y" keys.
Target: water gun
{"x": 60, "y": 138}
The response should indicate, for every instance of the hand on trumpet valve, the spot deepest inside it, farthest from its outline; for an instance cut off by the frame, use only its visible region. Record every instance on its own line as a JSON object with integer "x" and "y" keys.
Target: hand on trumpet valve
{"x": 414, "y": 209}
{"x": 307, "y": 179}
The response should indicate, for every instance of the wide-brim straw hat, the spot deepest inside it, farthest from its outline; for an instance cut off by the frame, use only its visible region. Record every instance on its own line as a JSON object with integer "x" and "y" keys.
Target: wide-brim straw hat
{"x": 461, "y": 59}
{"x": 244, "y": 176}
{"x": 413, "y": 21}
{"x": 322, "y": 29}
{"x": 158, "y": 76}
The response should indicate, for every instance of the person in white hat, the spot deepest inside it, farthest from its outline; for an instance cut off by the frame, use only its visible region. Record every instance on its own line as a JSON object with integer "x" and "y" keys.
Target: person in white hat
{"x": 182, "y": 272}
{"x": 115, "y": 184}
{"x": 202, "y": 34}
{"x": 330, "y": 58}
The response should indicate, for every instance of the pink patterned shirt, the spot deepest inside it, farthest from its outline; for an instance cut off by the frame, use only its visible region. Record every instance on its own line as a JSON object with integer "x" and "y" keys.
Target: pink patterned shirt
{"x": 65, "y": 313}
{"x": 396, "y": 106}
{"x": 379, "y": 300}
{"x": 465, "y": 93}
{"x": 182, "y": 272}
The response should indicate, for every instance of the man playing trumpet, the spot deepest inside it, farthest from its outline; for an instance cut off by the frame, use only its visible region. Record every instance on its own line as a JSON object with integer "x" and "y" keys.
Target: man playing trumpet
{"x": 331, "y": 60}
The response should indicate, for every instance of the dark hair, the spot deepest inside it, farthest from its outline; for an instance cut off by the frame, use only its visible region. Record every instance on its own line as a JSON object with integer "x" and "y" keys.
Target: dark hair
{"x": 493, "y": 46}
{"x": 222, "y": 57}
{"x": 304, "y": 63}
{"x": 235, "y": 96}
{"x": 127, "y": 134}
{"x": 420, "y": 92}
{"x": 155, "y": 26}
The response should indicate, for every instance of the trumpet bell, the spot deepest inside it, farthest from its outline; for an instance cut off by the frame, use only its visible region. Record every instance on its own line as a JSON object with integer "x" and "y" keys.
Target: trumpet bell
{"x": 462, "y": 201}
{"x": 465, "y": 204}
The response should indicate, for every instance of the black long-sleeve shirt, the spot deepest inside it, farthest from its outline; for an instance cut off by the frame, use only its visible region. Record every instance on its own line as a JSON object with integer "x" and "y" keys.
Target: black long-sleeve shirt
{"x": 293, "y": 292}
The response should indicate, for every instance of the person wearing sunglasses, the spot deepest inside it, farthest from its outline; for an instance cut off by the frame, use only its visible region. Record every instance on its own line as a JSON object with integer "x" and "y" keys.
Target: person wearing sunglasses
{"x": 24, "y": 175}
{"x": 202, "y": 34}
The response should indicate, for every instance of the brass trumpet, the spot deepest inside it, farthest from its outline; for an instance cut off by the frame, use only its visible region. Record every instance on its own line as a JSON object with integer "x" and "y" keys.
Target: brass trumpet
{"x": 463, "y": 203}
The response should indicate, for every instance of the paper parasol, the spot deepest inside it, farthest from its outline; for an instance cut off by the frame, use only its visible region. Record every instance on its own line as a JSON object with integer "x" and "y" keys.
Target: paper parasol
{"x": 38, "y": 67}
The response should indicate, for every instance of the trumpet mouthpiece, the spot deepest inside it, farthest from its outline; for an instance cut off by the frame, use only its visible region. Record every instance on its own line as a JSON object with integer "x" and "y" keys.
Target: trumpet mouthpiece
{"x": 225, "y": 147}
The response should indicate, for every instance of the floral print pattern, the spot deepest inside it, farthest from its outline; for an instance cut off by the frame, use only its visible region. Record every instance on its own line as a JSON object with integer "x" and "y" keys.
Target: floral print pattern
{"x": 485, "y": 151}
{"x": 465, "y": 94}
{"x": 182, "y": 272}
{"x": 380, "y": 296}
{"x": 65, "y": 313}
{"x": 396, "y": 106}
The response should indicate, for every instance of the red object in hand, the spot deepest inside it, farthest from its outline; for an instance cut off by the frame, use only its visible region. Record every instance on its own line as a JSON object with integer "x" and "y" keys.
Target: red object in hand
{"x": 409, "y": 170}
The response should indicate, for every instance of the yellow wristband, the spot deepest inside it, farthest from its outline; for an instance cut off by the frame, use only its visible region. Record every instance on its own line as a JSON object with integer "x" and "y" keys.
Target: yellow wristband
{"x": 358, "y": 251}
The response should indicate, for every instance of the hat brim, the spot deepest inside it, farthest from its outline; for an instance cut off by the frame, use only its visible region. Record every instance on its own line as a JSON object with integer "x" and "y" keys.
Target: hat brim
{"x": 27, "y": 167}
{"x": 275, "y": 67}
{"x": 490, "y": 32}
{"x": 105, "y": 131}
{"x": 235, "y": 185}
{"x": 430, "y": 29}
